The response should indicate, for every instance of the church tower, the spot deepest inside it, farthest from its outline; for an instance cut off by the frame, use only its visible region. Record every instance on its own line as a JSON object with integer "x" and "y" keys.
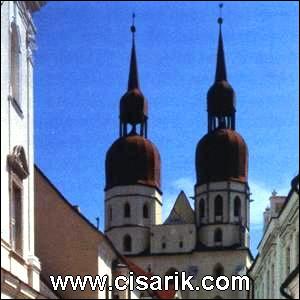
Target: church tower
{"x": 132, "y": 193}
{"x": 221, "y": 190}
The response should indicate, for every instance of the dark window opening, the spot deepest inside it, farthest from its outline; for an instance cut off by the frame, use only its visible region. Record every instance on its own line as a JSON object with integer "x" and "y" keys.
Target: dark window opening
{"x": 110, "y": 213}
{"x": 218, "y": 235}
{"x": 145, "y": 211}
{"x": 218, "y": 206}
{"x": 127, "y": 210}
{"x": 237, "y": 207}
{"x": 202, "y": 208}
{"x": 127, "y": 243}
{"x": 16, "y": 218}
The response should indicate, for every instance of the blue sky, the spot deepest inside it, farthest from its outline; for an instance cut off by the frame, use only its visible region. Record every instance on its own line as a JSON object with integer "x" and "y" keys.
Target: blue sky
{"x": 81, "y": 72}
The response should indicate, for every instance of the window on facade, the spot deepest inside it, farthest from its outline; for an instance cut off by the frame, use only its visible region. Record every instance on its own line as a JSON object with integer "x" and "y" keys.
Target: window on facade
{"x": 218, "y": 206}
{"x": 272, "y": 284}
{"x": 237, "y": 207}
{"x": 16, "y": 218}
{"x": 127, "y": 243}
{"x": 288, "y": 260}
{"x": 268, "y": 285}
{"x": 218, "y": 235}
{"x": 181, "y": 244}
{"x": 127, "y": 210}
{"x": 218, "y": 271}
{"x": 202, "y": 208}
{"x": 18, "y": 171}
{"x": 110, "y": 213}
{"x": 163, "y": 245}
{"x": 145, "y": 211}
{"x": 15, "y": 63}
{"x": 297, "y": 248}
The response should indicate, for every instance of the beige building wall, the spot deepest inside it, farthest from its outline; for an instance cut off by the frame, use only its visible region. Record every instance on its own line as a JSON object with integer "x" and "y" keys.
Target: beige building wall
{"x": 18, "y": 32}
{"x": 66, "y": 242}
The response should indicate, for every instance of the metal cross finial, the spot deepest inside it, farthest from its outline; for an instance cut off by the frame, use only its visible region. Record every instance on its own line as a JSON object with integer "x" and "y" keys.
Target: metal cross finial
{"x": 132, "y": 28}
{"x": 220, "y": 19}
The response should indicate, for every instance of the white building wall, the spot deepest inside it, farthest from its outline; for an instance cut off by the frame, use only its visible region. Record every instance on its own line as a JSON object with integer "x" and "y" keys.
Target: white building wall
{"x": 117, "y": 225}
{"x": 17, "y": 129}
{"x": 233, "y": 232}
{"x": 281, "y": 233}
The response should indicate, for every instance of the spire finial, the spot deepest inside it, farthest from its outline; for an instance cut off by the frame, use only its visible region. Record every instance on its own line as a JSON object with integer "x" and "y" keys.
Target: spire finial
{"x": 220, "y": 19}
{"x": 221, "y": 68}
{"x": 133, "y": 81}
{"x": 132, "y": 28}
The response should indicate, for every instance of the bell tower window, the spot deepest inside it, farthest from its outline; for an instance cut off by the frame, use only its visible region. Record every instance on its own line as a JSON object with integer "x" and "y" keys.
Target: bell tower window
{"x": 127, "y": 243}
{"x": 218, "y": 236}
{"x": 237, "y": 207}
{"x": 127, "y": 210}
{"x": 201, "y": 208}
{"x": 146, "y": 211}
{"x": 218, "y": 208}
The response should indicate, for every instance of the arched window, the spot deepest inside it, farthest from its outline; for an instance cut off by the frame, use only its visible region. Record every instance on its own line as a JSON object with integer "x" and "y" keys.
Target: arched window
{"x": 288, "y": 260}
{"x": 145, "y": 211}
{"x": 127, "y": 243}
{"x": 237, "y": 206}
{"x": 202, "y": 208}
{"x": 218, "y": 206}
{"x": 110, "y": 213}
{"x": 218, "y": 270}
{"x": 172, "y": 272}
{"x": 218, "y": 235}
{"x": 15, "y": 58}
{"x": 163, "y": 242}
{"x": 127, "y": 210}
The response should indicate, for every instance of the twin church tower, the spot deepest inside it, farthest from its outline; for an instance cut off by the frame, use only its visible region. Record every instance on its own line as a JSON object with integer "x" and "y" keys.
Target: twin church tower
{"x": 219, "y": 220}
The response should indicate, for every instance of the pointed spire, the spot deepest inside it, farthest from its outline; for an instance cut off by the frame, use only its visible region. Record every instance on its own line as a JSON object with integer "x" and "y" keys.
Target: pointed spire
{"x": 133, "y": 81}
{"x": 221, "y": 67}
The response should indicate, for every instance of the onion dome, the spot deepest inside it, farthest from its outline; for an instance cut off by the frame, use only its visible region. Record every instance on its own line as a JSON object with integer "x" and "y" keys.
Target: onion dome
{"x": 221, "y": 96}
{"x": 221, "y": 155}
{"x": 131, "y": 160}
{"x": 133, "y": 105}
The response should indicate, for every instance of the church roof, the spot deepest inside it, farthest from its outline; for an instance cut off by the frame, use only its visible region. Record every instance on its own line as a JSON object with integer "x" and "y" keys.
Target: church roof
{"x": 182, "y": 212}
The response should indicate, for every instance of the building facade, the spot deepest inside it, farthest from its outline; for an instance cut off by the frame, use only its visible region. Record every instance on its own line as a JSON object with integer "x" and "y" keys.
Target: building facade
{"x": 20, "y": 267}
{"x": 210, "y": 239}
{"x": 275, "y": 272}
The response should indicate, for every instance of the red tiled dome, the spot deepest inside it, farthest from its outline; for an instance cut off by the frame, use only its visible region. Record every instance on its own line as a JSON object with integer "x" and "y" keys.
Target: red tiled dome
{"x": 132, "y": 160}
{"x": 221, "y": 155}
